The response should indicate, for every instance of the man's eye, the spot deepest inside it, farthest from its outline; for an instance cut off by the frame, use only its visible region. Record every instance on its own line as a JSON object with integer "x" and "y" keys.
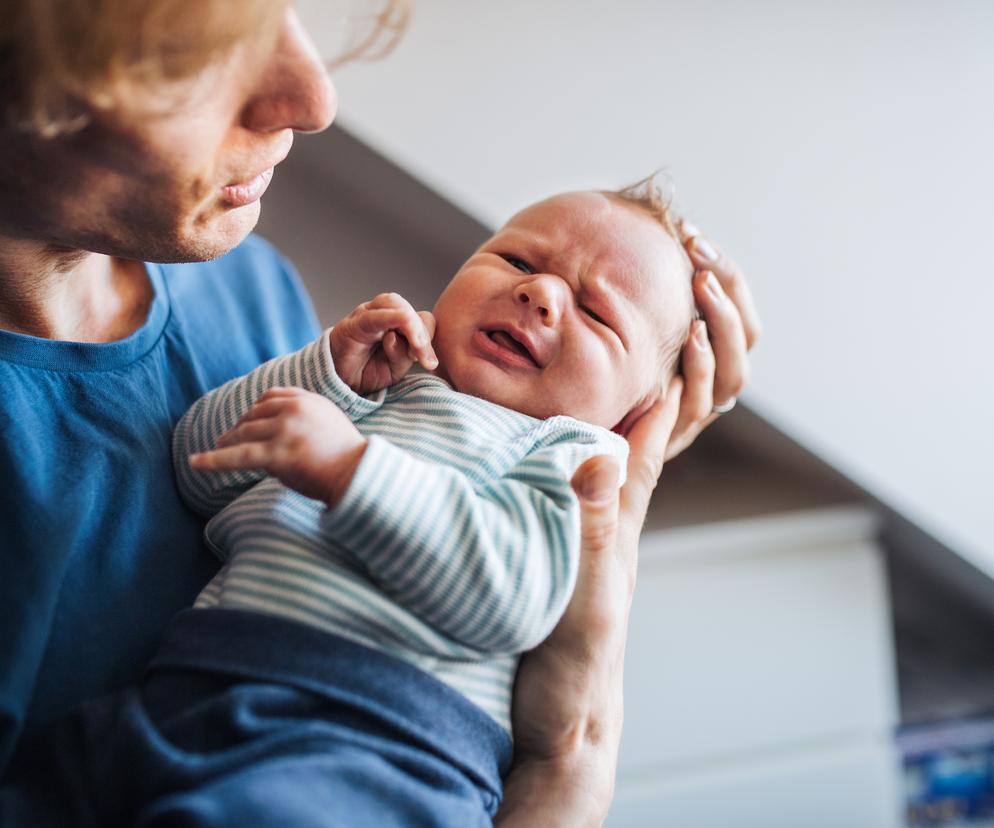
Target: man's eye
{"x": 515, "y": 262}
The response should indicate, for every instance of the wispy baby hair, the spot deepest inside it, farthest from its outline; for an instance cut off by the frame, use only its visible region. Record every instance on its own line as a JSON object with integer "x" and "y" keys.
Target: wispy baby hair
{"x": 654, "y": 195}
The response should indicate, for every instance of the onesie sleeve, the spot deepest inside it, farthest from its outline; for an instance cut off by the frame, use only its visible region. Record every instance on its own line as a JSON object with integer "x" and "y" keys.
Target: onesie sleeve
{"x": 492, "y": 564}
{"x": 311, "y": 368}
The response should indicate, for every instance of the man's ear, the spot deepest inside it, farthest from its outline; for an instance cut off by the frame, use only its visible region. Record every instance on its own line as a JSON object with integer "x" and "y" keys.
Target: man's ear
{"x": 632, "y": 417}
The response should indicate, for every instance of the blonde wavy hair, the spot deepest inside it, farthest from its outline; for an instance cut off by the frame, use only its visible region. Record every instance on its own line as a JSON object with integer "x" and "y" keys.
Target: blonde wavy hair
{"x": 62, "y": 60}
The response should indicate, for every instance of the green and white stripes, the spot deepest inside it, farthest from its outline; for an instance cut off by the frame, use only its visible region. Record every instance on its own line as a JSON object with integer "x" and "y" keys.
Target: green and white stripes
{"x": 454, "y": 548}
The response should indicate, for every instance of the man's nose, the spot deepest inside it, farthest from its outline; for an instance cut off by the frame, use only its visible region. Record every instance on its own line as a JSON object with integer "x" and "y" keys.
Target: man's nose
{"x": 294, "y": 91}
{"x": 545, "y": 294}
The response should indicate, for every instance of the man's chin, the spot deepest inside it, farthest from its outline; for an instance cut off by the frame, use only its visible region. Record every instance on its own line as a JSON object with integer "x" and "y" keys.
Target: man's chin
{"x": 211, "y": 239}
{"x": 233, "y": 226}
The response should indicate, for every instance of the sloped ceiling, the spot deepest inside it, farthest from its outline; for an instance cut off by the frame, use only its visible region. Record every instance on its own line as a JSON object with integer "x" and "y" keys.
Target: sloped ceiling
{"x": 842, "y": 151}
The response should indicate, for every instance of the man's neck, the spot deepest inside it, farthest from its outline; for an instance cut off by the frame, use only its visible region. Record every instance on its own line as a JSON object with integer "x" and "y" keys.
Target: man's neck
{"x": 74, "y": 295}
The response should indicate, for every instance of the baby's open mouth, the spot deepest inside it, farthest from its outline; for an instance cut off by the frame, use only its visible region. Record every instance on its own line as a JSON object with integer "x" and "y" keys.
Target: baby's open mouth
{"x": 505, "y": 340}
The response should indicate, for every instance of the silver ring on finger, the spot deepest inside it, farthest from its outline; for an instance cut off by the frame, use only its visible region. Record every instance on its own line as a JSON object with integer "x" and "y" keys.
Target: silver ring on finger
{"x": 725, "y": 407}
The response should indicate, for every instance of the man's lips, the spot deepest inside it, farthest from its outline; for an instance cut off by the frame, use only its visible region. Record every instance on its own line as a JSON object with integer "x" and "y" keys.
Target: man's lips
{"x": 509, "y": 345}
{"x": 246, "y": 192}
{"x": 251, "y": 188}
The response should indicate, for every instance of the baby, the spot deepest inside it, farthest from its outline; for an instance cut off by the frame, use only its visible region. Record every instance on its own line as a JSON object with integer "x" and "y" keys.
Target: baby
{"x": 392, "y": 541}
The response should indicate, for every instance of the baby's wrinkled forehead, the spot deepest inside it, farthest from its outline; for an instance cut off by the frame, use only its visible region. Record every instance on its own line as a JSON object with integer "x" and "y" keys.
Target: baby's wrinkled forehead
{"x": 614, "y": 240}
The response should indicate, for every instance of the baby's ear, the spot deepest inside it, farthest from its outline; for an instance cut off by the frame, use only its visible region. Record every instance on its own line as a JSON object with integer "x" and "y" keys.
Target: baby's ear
{"x": 632, "y": 417}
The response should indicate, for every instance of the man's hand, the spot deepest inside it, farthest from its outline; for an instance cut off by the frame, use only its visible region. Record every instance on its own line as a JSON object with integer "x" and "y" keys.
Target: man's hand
{"x": 376, "y": 344}
{"x": 568, "y": 709}
{"x": 298, "y": 437}
{"x": 716, "y": 358}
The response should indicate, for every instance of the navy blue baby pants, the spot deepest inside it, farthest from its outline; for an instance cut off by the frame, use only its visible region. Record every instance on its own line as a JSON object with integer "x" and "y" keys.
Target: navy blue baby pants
{"x": 247, "y": 720}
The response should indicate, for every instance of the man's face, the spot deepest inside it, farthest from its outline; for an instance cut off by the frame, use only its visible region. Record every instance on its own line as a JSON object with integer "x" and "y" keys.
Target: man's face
{"x": 179, "y": 186}
{"x": 563, "y": 311}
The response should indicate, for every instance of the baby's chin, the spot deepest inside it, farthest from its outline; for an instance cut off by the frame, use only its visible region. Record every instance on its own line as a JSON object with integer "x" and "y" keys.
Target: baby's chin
{"x": 524, "y": 401}
{"x": 477, "y": 383}
{"x": 523, "y": 393}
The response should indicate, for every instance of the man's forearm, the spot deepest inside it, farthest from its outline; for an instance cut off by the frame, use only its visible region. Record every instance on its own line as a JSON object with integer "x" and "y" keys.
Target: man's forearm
{"x": 563, "y": 793}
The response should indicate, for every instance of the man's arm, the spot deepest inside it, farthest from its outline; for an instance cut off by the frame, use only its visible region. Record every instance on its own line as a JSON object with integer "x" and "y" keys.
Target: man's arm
{"x": 568, "y": 706}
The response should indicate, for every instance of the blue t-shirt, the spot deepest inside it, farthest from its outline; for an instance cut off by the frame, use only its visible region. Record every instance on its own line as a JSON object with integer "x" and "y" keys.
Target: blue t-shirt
{"x": 97, "y": 551}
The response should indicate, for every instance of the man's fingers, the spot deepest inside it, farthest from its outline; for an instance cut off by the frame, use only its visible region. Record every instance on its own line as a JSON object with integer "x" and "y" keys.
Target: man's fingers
{"x": 647, "y": 442}
{"x": 596, "y": 486}
{"x": 696, "y": 401}
{"x": 698, "y": 367}
{"x": 242, "y": 456}
{"x": 728, "y": 339}
{"x": 591, "y": 611}
{"x": 595, "y": 483}
{"x": 707, "y": 256}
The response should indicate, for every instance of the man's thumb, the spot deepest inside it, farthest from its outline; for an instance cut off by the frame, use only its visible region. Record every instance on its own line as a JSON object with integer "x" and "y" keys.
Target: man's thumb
{"x": 596, "y": 481}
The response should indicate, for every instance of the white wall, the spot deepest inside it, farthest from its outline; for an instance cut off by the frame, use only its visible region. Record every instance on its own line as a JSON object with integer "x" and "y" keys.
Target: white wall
{"x": 759, "y": 678}
{"x": 842, "y": 150}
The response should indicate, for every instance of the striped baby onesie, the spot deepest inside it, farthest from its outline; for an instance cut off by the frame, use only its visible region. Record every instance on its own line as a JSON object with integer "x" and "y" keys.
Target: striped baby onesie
{"x": 454, "y": 548}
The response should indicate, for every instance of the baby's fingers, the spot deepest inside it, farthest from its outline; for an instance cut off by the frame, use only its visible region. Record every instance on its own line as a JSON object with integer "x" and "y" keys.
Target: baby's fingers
{"x": 249, "y": 431}
{"x": 375, "y": 324}
{"x": 398, "y": 354}
{"x": 232, "y": 458}
{"x": 418, "y": 329}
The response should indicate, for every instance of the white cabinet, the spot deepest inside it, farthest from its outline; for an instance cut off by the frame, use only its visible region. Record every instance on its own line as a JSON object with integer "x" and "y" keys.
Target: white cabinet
{"x": 760, "y": 684}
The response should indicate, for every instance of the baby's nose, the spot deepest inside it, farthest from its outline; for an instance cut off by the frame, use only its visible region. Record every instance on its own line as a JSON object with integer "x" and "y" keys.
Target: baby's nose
{"x": 544, "y": 294}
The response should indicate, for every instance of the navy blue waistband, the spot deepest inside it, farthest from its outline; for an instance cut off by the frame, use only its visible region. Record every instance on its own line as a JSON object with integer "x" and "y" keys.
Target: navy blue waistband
{"x": 416, "y": 706}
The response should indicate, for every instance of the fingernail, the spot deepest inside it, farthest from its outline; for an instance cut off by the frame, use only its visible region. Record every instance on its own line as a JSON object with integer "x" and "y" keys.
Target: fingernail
{"x": 432, "y": 362}
{"x": 701, "y": 334}
{"x": 703, "y": 248}
{"x": 713, "y": 287}
{"x": 599, "y": 484}
{"x": 689, "y": 229}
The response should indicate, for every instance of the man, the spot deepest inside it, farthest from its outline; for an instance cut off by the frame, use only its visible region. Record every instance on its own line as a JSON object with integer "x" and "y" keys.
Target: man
{"x": 148, "y": 137}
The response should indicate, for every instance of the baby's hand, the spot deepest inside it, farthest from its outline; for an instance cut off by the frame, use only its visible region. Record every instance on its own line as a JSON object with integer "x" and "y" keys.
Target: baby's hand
{"x": 297, "y": 436}
{"x": 376, "y": 344}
